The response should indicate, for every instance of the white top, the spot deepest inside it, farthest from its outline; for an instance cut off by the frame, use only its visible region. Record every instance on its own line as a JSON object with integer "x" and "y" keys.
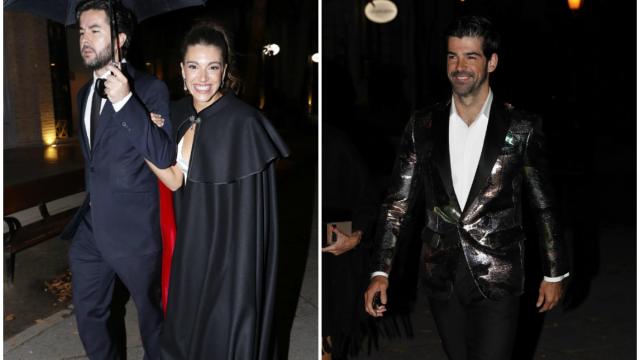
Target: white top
{"x": 182, "y": 164}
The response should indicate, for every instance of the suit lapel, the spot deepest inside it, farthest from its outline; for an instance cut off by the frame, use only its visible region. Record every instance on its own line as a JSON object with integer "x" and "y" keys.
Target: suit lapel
{"x": 493, "y": 141}
{"x": 441, "y": 157}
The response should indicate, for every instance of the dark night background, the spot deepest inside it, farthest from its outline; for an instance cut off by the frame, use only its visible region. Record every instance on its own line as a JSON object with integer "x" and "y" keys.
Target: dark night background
{"x": 288, "y": 78}
{"x": 576, "y": 69}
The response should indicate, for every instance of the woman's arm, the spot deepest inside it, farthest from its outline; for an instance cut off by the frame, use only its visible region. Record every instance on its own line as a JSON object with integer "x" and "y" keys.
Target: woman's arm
{"x": 172, "y": 176}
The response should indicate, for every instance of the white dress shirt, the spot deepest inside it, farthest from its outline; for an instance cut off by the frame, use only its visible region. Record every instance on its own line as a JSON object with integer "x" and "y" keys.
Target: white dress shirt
{"x": 465, "y": 148}
{"x": 87, "y": 110}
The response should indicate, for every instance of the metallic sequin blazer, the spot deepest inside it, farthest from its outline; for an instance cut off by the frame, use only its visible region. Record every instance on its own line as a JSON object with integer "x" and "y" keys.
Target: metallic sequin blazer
{"x": 488, "y": 230}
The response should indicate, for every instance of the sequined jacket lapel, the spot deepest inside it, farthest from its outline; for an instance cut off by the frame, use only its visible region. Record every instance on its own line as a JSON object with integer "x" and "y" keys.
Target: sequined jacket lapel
{"x": 493, "y": 140}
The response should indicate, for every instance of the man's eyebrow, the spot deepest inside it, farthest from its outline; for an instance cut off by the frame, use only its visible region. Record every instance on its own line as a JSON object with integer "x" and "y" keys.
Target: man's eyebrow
{"x": 94, "y": 26}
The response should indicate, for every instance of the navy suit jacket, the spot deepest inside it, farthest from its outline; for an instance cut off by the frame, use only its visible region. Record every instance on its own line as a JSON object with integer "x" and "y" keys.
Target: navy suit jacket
{"x": 122, "y": 192}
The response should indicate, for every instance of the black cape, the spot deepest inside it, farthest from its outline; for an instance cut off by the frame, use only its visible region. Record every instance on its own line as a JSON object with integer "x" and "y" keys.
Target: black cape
{"x": 223, "y": 273}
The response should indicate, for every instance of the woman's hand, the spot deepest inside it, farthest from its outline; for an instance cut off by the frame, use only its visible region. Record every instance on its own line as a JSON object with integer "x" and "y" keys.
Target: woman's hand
{"x": 172, "y": 177}
{"x": 157, "y": 119}
{"x": 343, "y": 243}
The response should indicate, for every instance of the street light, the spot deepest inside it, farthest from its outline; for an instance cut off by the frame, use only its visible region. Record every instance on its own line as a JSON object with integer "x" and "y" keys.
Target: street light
{"x": 380, "y": 11}
{"x": 574, "y": 5}
{"x": 271, "y": 49}
{"x": 268, "y": 50}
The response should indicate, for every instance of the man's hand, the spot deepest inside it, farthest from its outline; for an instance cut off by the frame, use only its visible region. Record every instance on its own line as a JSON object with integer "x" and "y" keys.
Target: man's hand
{"x": 549, "y": 295}
{"x": 117, "y": 85}
{"x": 344, "y": 242}
{"x": 378, "y": 284}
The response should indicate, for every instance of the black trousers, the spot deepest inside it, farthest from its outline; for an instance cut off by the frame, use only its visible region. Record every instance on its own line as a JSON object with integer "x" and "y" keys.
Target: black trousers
{"x": 472, "y": 327}
{"x": 93, "y": 279}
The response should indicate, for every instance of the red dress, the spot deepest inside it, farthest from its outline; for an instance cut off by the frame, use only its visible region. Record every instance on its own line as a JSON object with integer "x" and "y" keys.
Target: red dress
{"x": 168, "y": 230}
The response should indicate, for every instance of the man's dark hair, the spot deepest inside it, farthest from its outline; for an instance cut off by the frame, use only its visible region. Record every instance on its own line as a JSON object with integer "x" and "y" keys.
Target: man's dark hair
{"x": 479, "y": 27}
{"x": 125, "y": 19}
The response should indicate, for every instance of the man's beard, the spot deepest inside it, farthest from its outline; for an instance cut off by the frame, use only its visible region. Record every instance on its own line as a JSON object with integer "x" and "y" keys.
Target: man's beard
{"x": 465, "y": 91}
{"x": 102, "y": 59}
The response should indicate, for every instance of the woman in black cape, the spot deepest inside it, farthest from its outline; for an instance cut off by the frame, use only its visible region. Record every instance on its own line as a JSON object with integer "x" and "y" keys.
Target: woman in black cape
{"x": 223, "y": 272}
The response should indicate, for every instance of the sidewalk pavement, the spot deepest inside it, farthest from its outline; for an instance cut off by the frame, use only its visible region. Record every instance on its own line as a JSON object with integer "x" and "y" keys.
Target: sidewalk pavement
{"x": 56, "y": 337}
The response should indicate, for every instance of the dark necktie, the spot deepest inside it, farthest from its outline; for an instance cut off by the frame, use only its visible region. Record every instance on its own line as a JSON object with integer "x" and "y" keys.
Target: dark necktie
{"x": 96, "y": 102}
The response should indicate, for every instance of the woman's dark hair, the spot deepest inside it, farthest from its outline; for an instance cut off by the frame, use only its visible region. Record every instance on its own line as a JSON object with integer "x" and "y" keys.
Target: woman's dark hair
{"x": 479, "y": 27}
{"x": 125, "y": 19}
{"x": 206, "y": 32}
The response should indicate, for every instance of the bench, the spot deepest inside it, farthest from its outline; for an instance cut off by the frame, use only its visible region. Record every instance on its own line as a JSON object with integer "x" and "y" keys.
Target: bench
{"x": 37, "y": 193}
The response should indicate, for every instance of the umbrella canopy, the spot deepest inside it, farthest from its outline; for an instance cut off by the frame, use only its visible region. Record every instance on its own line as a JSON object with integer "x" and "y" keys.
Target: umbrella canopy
{"x": 63, "y": 11}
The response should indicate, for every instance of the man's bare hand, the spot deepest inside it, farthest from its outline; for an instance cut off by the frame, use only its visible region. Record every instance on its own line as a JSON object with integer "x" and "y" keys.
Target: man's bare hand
{"x": 549, "y": 295}
{"x": 117, "y": 85}
{"x": 378, "y": 284}
{"x": 343, "y": 243}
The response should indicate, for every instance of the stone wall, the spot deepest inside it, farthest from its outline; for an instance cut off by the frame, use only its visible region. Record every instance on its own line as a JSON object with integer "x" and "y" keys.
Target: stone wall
{"x": 28, "y": 101}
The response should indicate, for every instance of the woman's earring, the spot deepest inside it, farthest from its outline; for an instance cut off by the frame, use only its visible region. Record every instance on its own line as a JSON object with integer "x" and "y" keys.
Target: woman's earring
{"x": 184, "y": 86}
{"x": 224, "y": 76}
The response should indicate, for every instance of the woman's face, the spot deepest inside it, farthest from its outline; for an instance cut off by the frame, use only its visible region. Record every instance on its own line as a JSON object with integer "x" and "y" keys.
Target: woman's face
{"x": 203, "y": 70}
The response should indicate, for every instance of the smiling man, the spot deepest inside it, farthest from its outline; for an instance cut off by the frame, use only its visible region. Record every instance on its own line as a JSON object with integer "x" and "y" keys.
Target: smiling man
{"x": 116, "y": 232}
{"x": 472, "y": 158}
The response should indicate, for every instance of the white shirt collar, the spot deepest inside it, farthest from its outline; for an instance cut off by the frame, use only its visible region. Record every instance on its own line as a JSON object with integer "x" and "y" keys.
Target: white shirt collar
{"x": 485, "y": 112}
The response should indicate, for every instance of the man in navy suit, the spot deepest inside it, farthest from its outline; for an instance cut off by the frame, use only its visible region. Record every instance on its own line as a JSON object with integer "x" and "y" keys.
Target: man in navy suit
{"x": 116, "y": 232}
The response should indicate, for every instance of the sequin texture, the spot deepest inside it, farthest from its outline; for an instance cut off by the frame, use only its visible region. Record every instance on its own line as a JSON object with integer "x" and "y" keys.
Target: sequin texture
{"x": 488, "y": 231}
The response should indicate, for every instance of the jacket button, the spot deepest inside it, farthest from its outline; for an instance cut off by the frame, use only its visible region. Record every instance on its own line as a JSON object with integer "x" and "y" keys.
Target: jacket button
{"x": 124, "y": 123}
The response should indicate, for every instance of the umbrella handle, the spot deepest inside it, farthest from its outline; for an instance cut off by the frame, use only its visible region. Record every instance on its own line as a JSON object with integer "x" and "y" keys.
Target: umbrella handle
{"x": 115, "y": 39}
{"x": 115, "y": 45}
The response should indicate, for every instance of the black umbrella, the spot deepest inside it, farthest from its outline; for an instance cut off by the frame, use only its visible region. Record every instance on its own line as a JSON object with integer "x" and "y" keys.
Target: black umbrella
{"x": 63, "y": 11}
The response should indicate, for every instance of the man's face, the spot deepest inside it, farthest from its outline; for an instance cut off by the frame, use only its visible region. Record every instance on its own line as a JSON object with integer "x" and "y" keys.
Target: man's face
{"x": 95, "y": 39}
{"x": 467, "y": 67}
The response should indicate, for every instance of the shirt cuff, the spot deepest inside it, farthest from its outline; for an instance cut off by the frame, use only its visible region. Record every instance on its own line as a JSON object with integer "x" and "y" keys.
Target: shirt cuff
{"x": 379, "y": 273}
{"x": 556, "y": 278}
{"x": 120, "y": 104}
